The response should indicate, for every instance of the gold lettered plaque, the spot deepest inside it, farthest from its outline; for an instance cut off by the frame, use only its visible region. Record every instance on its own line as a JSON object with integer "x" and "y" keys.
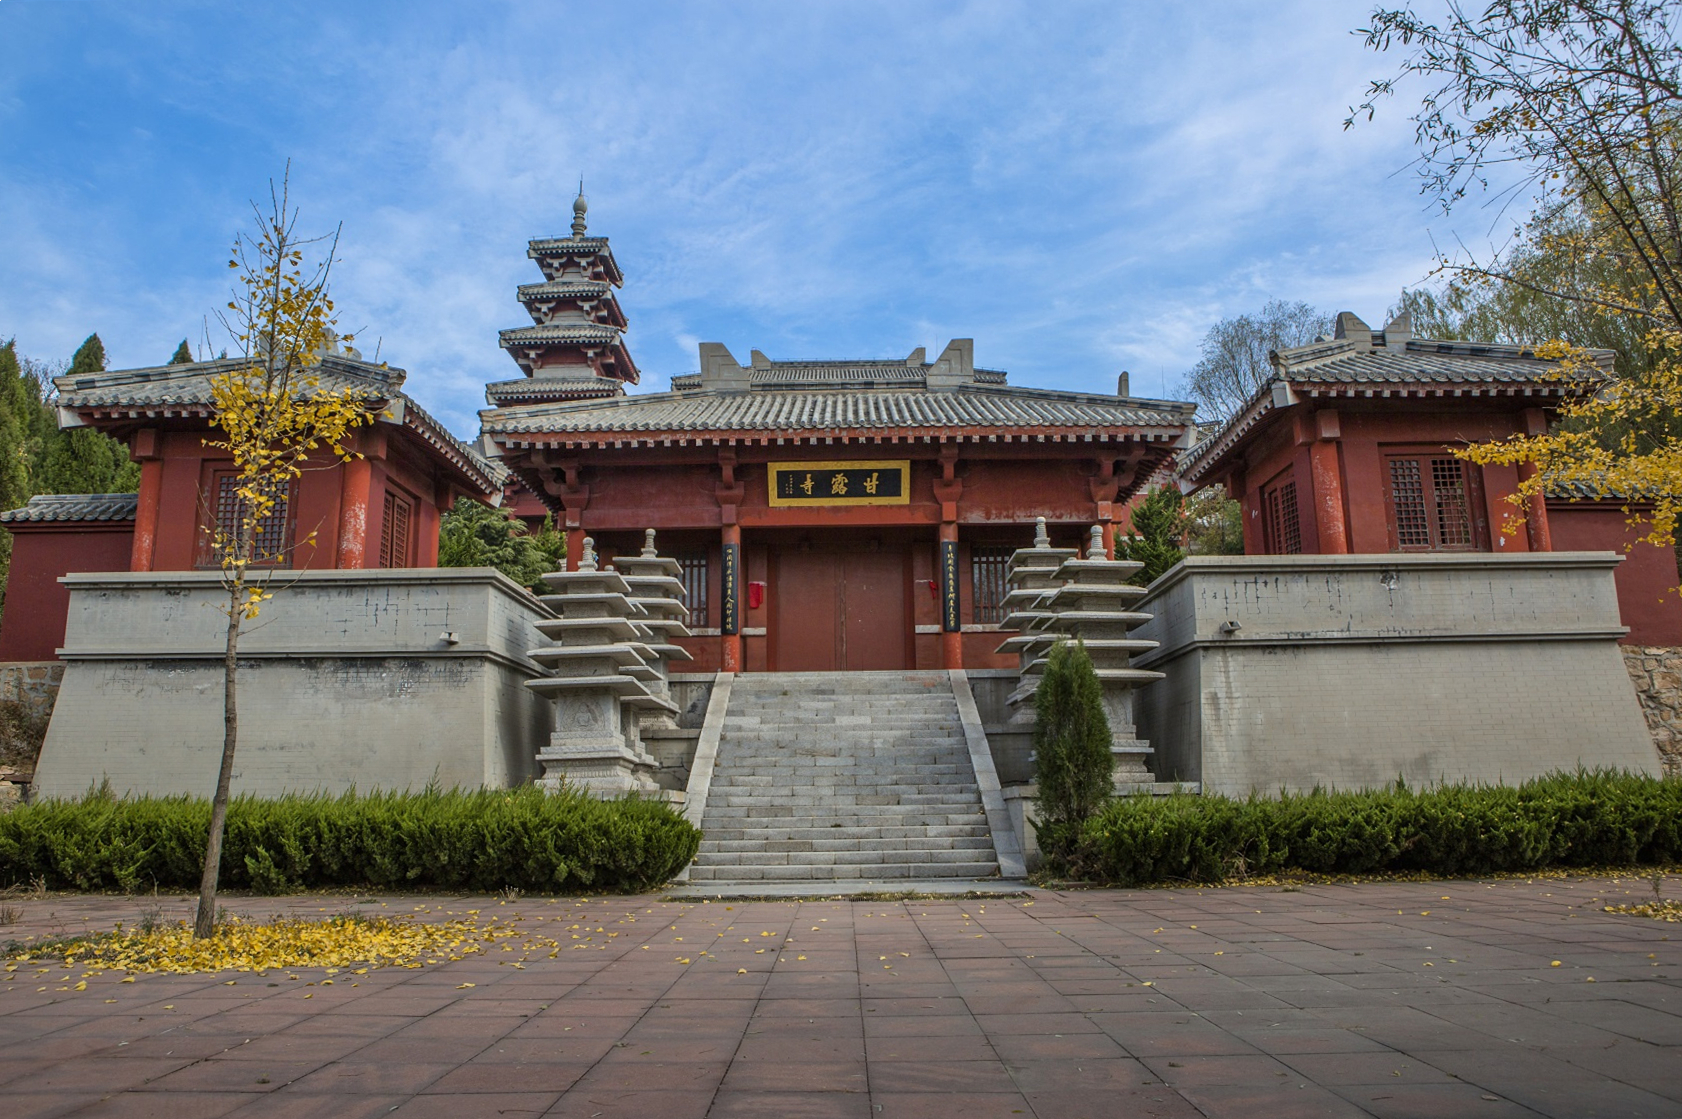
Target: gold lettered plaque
{"x": 840, "y": 483}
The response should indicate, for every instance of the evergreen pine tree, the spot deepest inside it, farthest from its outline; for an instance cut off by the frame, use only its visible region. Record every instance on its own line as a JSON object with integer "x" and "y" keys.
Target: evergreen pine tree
{"x": 80, "y": 459}
{"x": 475, "y": 535}
{"x": 1156, "y": 533}
{"x": 183, "y": 354}
{"x": 1073, "y": 764}
{"x": 15, "y": 431}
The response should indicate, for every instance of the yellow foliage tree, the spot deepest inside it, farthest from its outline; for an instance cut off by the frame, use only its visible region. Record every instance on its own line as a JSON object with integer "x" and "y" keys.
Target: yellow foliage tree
{"x": 1577, "y": 103}
{"x": 277, "y": 420}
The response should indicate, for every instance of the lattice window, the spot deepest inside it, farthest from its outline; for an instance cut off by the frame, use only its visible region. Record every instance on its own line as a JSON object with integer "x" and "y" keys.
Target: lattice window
{"x": 1407, "y": 497}
{"x": 1453, "y": 511}
{"x": 271, "y": 544}
{"x": 1284, "y": 524}
{"x": 987, "y": 583}
{"x": 697, "y": 574}
{"x": 395, "y": 532}
{"x": 1431, "y": 503}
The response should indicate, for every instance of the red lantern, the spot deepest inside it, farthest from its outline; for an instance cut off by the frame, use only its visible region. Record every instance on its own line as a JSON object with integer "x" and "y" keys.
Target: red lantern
{"x": 756, "y": 595}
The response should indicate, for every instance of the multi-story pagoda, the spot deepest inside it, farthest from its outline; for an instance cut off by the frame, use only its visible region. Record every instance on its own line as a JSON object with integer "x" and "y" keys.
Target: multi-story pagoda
{"x": 575, "y": 347}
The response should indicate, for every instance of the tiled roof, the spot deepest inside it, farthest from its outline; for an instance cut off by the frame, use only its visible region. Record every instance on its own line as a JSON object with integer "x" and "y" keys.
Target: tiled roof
{"x": 74, "y": 507}
{"x": 1423, "y": 362}
{"x": 1361, "y": 368}
{"x": 532, "y": 389}
{"x": 567, "y": 289}
{"x": 559, "y": 332}
{"x": 1583, "y": 491}
{"x": 795, "y": 410}
{"x": 188, "y": 385}
{"x": 555, "y": 246}
{"x": 184, "y": 390}
{"x": 849, "y": 374}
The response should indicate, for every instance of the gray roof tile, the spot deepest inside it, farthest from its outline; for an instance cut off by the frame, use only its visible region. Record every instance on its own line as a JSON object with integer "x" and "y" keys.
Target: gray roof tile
{"x": 183, "y": 390}
{"x": 74, "y": 507}
{"x": 1422, "y": 366}
{"x": 837, "y": 410}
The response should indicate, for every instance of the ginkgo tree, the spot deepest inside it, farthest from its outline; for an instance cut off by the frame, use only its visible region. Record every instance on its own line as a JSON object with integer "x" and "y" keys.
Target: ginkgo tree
{"x": 1577, "y": 104}
{"x": 276, "y": 420}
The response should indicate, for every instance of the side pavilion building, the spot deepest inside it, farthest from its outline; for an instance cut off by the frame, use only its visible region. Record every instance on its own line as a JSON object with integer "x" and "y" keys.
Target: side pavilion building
{"x": 829, "y": 515}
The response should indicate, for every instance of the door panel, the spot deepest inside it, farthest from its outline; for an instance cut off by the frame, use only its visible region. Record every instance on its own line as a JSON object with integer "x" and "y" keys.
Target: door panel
{"x": 873, "y": 614}
{"x": 805, "y": 633}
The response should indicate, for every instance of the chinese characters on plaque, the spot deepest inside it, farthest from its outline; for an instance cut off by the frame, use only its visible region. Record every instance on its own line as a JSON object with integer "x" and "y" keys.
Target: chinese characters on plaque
{"x": 840, "y": 483}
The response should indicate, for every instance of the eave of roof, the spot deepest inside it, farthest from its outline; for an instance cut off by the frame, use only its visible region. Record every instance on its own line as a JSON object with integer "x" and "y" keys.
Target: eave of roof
{"x": 60, "y": 508}
{"x": 1427, "y": 368}
{"x": 973, "y": 413}
{"x": 183, "y": 391}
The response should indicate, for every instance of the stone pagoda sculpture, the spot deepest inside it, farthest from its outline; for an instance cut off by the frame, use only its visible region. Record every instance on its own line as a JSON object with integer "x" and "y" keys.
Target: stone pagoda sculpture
{"x": 1086, "y": 599}
{"x": 658, "y": 593}
{"x": 596, "y": 744}
{"x": 1032, "y": 572}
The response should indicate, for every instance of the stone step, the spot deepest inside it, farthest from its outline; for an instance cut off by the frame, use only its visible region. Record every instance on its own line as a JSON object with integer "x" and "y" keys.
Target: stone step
{"x": 761, "y": 817}
{"x": 827, "y": 776}
{"x": 818, "y": 874}
{"x": 778, "y": 833}
{"x": 905, "y": 843}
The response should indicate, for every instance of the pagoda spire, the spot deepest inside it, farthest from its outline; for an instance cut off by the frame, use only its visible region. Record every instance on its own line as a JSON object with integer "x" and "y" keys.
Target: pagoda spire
{"x": 575, "y": 347}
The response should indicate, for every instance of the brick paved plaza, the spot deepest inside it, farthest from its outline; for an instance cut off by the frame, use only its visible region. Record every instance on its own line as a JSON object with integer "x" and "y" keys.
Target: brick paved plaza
{"x": 1411, "y": 999}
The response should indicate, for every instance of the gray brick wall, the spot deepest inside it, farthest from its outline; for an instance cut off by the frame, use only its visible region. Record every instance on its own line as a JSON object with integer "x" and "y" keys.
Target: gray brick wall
{"x": 1352, "y": 671}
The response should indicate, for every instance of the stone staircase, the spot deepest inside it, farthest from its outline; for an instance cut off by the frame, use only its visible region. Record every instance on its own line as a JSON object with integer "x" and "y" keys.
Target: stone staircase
{"x": 843, "y": 776}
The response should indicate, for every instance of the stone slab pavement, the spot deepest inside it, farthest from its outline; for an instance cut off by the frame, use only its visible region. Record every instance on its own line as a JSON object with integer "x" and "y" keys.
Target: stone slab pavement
{"x": 1381, "y": 999}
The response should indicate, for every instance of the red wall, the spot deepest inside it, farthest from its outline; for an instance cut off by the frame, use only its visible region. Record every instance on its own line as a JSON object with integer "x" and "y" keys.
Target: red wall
{"x": 390, "y": 462}
{"x": 1366, "y": 435}
{"x": 36, "y": 603}
{"x": 1647, "y": 579}
{"x": 675, "y": 492}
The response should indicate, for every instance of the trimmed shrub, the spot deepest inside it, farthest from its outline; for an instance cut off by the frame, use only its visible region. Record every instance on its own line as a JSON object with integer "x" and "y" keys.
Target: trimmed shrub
{"x": 1072, "y": 759}
{"x": 471, "y": 841}
{"x": 1599, "y": 818}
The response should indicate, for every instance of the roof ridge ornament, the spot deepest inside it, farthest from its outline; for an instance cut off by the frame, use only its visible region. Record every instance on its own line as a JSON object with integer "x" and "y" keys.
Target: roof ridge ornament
{"x": 579, "y": 208}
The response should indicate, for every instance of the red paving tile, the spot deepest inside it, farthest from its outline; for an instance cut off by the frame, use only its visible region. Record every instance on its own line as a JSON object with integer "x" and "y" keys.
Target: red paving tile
{"x": 1243, "y": 1002}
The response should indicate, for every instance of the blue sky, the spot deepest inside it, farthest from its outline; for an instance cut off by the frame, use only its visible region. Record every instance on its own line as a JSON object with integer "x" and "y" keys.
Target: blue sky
{"x": 1080, "y": 187}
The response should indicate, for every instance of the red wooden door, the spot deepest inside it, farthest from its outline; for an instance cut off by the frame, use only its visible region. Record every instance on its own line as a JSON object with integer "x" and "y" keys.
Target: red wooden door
{"x": 873, "y": 615}
{"x": 805, "y": 606}
{"x": 839, "y": 611}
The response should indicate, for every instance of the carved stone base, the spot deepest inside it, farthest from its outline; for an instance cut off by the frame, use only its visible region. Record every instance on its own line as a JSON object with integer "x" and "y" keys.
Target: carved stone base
{"x": 600, "y": 767}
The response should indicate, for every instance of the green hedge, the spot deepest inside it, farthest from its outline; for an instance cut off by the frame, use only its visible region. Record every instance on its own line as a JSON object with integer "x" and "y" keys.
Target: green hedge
{"x": 474, "y": 841}
{"x": 1583, "y": 819}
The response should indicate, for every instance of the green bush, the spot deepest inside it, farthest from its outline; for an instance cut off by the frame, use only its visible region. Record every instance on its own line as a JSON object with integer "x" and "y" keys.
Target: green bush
{"x": 1072, "y": 760}
{"x": 1599, "y": 818}
{"x": 471, "y": 841}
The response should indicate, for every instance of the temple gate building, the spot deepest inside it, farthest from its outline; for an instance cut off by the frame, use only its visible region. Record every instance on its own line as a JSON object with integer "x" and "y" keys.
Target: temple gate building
{"x": 829, "y": 515}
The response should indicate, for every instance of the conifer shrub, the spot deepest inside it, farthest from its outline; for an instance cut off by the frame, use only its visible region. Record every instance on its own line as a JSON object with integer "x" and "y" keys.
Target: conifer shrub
{"x": 1073, "y": 764}
{"x": 478, "y": 841}
{"x": 1598, "y": 818}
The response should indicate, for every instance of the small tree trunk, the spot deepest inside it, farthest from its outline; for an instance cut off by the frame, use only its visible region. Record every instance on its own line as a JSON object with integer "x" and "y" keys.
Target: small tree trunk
{"x": 205, "y": 923}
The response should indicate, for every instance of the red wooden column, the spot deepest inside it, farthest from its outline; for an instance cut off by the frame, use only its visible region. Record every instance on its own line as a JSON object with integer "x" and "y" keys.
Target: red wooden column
{"x": 144, "y": 449}
{"x": 1329, "y": 514}
{"x": 1537, "y": 533}
{"x": 355, "y": 483}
